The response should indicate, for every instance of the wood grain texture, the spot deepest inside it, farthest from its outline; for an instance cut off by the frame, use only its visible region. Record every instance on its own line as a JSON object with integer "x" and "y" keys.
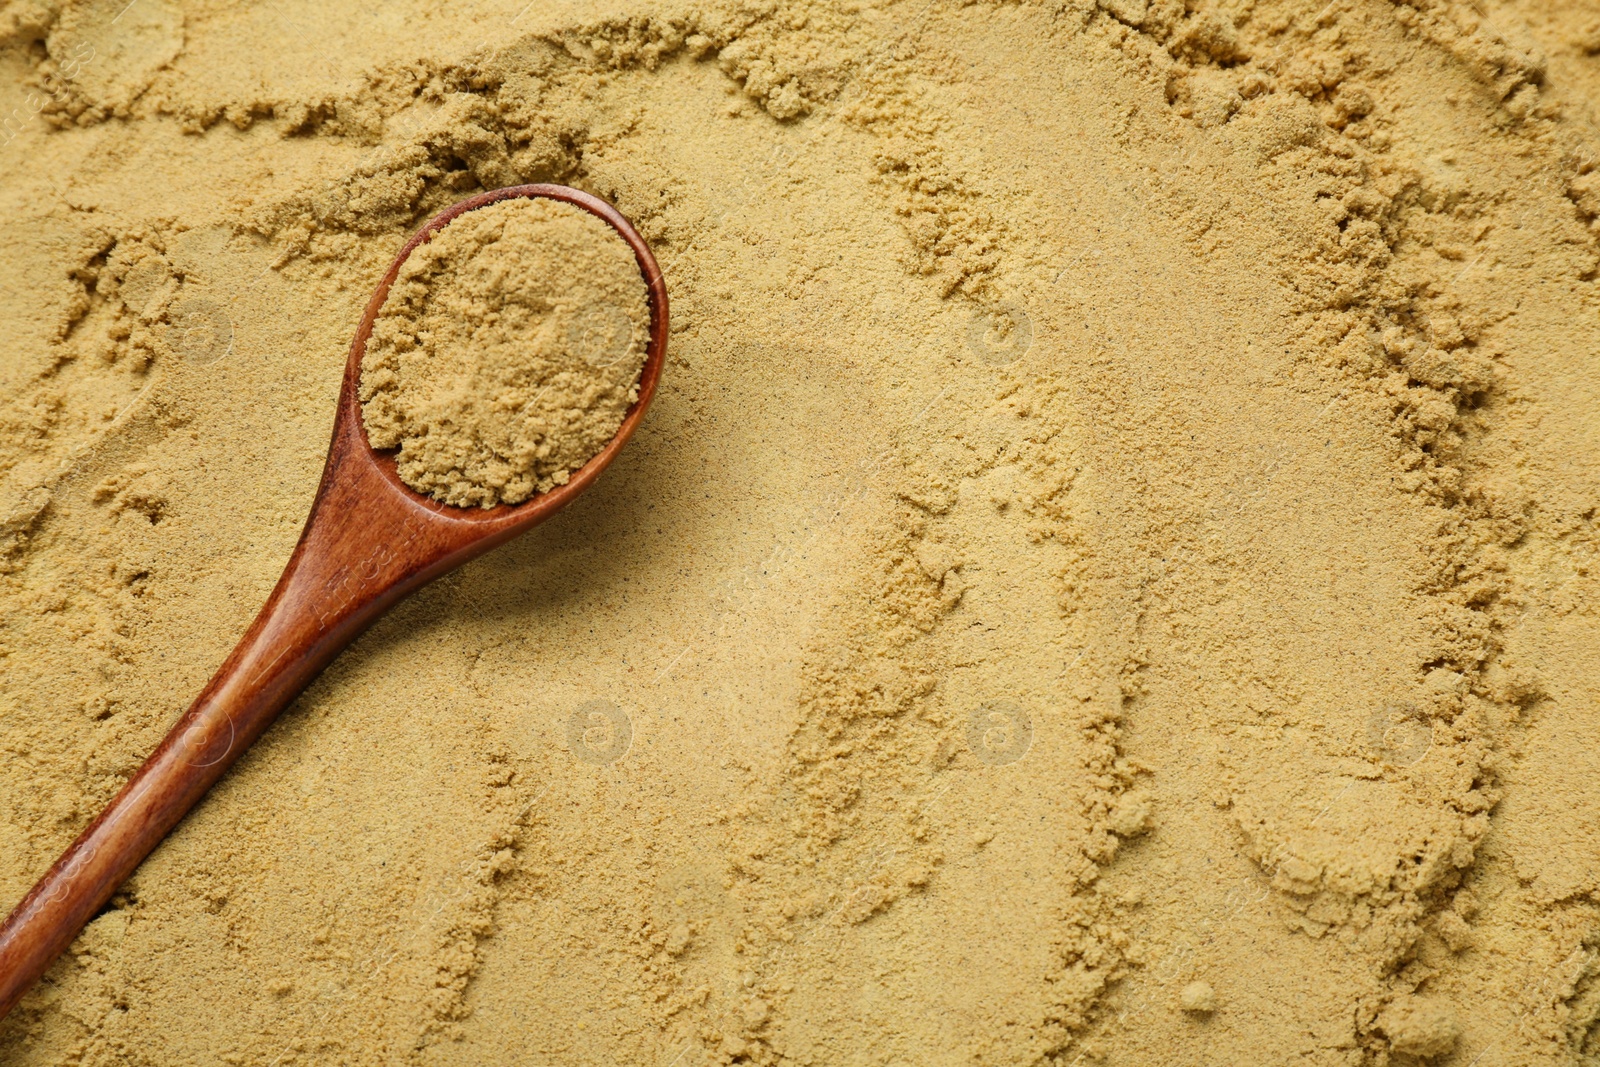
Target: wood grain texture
{"x": 369, "y": 541}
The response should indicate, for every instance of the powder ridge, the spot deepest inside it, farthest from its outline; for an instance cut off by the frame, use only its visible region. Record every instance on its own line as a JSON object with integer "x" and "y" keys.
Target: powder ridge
{"x": 507, "y": 353}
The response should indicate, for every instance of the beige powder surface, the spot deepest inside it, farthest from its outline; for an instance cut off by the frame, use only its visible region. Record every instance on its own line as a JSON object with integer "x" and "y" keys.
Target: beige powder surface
{"x": 1112, "y": 574}
{"x": 506, "y": 353}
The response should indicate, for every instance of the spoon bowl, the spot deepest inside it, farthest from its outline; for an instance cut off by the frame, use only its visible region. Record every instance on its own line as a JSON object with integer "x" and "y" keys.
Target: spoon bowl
{"x": 655, "y": 356}
{"x": 369, "y": 541}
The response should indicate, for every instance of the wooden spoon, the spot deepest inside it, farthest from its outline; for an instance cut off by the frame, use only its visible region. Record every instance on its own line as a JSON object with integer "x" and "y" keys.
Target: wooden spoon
{"x": 370, "y": 541}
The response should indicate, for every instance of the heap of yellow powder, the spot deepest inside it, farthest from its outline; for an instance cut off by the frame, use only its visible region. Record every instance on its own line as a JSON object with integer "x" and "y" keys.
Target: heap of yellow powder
{"x": 507, "y": 352}
{"x": 1112, "y": 578}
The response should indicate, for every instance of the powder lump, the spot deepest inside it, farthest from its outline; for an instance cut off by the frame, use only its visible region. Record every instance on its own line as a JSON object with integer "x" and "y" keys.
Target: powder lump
{"x": 507, "y": 352}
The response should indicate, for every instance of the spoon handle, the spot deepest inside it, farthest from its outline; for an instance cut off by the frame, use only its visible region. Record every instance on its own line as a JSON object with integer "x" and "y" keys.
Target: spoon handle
{"x": 364, "y": 548}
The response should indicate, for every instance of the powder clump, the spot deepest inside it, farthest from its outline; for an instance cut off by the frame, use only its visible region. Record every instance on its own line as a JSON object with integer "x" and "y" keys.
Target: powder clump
{"x": 1419, "y": 1028}
{"x": 1198, "y": 998}
{"x": 507, "y": 353}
